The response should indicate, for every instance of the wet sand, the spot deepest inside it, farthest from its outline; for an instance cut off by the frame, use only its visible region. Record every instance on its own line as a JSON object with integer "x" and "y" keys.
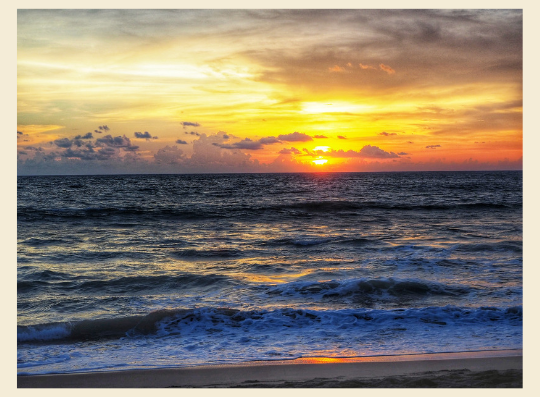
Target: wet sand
{"x": 461, "y": 370}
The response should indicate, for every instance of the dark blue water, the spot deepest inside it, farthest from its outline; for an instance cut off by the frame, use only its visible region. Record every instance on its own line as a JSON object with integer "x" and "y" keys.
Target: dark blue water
{"x": 145, "y": 271}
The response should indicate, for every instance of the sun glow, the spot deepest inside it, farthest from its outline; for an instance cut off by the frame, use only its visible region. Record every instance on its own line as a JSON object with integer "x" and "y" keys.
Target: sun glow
{"x": 322, "y": 148}
{"x": 334, "y": 107}
{"x": 162, "y": 69}
{"x": 320, "y": 161}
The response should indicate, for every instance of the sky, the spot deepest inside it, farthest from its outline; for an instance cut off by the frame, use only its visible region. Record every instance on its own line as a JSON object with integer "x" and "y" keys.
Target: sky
{"x": 196, "y": 91}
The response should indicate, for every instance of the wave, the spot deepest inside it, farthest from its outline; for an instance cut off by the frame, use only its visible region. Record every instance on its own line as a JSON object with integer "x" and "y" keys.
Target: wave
{"x": 511, "y": 246}
{"x": 30, "y": 213}
{"x": 106, "y": 328}
{"x": 81, "y": 255}
{"x": 213, "y": 253}
{"x": 369, "y": 288}
{"x": 212, "y": 321}
{"x": 307, "y": 241}
{"x": 227, "y": 210}
{"x": 47, "y": 274}
{"x": 345, "y": 205}
{"x": 43, "y": 242}
{"x": 131, "y": 284}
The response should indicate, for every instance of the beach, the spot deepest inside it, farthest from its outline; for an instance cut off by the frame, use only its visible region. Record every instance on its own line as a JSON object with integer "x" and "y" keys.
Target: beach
{"x": 489, "y": 369}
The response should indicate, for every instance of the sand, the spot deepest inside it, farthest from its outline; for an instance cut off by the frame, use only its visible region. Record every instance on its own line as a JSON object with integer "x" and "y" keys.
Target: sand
{"x": 465, "y": 370}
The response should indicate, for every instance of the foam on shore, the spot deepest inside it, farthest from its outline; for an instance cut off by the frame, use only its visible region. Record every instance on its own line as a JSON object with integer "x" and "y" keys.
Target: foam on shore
{"x": 294, "y": 373}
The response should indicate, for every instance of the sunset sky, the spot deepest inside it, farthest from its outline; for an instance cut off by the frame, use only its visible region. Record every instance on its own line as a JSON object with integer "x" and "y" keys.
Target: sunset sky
{"x": 149, "y": 91}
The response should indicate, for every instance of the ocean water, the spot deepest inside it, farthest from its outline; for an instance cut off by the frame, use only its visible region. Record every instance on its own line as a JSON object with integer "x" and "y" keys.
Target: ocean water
{"x": 155, "y": 271}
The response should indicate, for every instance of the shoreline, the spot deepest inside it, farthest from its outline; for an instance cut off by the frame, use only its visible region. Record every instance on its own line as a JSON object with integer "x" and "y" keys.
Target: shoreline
{"x": 497, "y": 368}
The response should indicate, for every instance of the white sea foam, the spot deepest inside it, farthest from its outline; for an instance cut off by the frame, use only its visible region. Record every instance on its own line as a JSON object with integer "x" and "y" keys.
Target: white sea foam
{"x": 213, "y": 336}
{"x": 45, "y": 333}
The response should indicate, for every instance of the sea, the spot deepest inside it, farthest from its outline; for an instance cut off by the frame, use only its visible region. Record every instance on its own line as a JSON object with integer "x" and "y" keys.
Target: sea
{"x": 126, "y": 272}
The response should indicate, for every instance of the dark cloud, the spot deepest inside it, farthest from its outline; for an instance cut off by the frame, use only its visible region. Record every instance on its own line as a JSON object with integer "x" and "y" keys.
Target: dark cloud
{"x": 246, "y": 144}
{"x": 432, "y": 146}
{"x": 37, "y": 149}
{"x": 181, "y": 142}
{"x": 191, "y": 124}
{"x": 169, "y": 155}
{"x": 89, "y": 154}
{"x": 119, "y": 141}
{"x": 19, "y": 133}
{"x": 225, "y": 136}
{"x": 292, "y": 150}
{"x": 88, "y": 135}
{"x": 269, "y": 140}
{"x": 193, "y": 133}
{"x": 64, "y": 143}
{"x": 77, "y": 142}
{"x": 106, "y": 153}
{"x": 208, "y": 156}
{"x": 319, "y": 137}
{"x": 143, "y": 135}
{"x": 387, "y": 133}
{"x": 155, "y": 137}
{"x": 103, "y": 128}
{"x": 369, "y": 151}
{"x": 428, "y": 33}
{"x": 42, "y": 157}
{"x": 410, "y": 142}
{"x": 22, "y": 152}
{"x": 485, "y": 118}
{"x": 437, "y": 48}
{"x": 341, "y": 137}
{"x": 295, "y": 137}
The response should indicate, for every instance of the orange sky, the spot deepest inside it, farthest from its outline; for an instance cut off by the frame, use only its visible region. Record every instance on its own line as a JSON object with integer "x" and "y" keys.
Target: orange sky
{"x": 142, "y": 91}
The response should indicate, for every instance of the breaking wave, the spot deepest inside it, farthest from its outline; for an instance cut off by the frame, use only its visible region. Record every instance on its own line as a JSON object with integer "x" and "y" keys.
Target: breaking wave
{"x": 186, "y": 322}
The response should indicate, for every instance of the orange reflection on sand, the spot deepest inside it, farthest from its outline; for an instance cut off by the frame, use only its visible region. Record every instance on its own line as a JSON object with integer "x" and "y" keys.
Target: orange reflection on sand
{"x": 367, "y": 359}
{"x": 406, "y": 357}
{"x": 323, "y": 360}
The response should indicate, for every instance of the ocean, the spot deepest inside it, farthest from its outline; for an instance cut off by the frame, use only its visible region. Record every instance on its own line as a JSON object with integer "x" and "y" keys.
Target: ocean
{"x": 154, "y": 271}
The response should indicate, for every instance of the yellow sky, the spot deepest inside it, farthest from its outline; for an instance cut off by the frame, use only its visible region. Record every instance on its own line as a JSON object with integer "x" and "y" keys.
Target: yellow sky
{"x": 259, "y": 90}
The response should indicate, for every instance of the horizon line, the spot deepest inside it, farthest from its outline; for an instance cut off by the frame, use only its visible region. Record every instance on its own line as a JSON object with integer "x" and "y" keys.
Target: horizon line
{"x": 273, "y": 173}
